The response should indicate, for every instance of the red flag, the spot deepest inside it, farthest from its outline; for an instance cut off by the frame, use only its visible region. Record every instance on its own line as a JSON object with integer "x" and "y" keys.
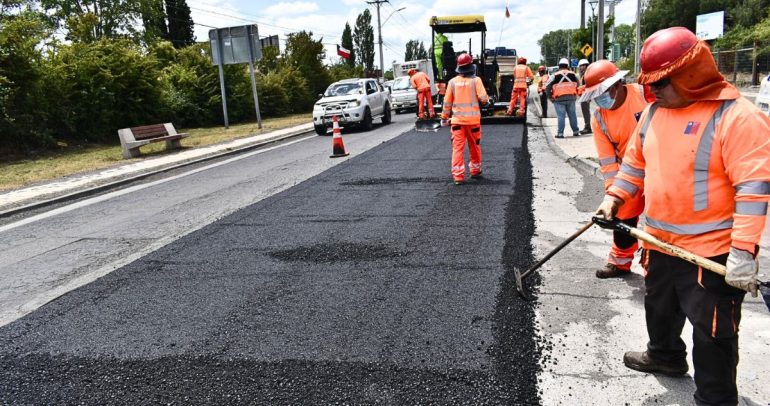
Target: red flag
{"x": 345, "y": 53}
{"x": 507, "y": 13}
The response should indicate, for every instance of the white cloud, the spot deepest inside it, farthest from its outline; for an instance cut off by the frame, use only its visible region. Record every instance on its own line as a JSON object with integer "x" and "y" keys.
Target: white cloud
{"x": 291, "y": 8}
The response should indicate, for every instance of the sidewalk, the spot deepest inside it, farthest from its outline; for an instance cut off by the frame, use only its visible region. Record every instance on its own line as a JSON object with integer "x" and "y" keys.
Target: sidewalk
{"x": 82, "y": 184}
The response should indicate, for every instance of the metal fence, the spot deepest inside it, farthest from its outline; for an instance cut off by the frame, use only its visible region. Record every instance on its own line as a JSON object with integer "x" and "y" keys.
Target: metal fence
{"x": 743, "y": 67}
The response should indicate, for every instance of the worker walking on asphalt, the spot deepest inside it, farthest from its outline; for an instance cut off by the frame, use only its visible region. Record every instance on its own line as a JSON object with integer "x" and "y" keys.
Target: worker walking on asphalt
{"x": 619, "y": 107}
{"x": 562, "y": 87}
{"x": 421, "y": 83}
{"x": 585, "y": 106}
{"x": 464, "y": 95}
{"x": 541, "y": 89}
{"x": 701, "y": 155}
{"x": 522, "y": 77}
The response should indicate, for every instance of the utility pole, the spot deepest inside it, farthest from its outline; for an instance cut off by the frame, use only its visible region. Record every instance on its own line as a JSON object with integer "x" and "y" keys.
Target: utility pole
{"x": 600, "y": 32}
{"x": 582, "y": 14}
{"x": 379, "y": 32}
{"x": 638, "y": 36}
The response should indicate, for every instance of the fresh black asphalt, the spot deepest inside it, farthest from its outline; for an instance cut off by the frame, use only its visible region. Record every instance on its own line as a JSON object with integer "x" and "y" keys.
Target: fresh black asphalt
{"x": 376, "y": 282}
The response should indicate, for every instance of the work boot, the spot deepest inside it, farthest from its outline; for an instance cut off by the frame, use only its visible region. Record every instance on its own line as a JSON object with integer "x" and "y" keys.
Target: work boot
{"x": 476, "y": 176}
{"x": 459, "y": 181}
{"x": 585, "y": 131}
{"x": 611, "y": 271}
{"x": 641, "y": 361}
{"x": 559, "y": 135}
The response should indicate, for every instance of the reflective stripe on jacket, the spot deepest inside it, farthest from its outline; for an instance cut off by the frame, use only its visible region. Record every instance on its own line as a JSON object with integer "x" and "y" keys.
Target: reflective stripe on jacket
{"x": 420, "y": 81}
{"x": 705, "y": 172}
{"x": 612, "y": 130}
{"x": 520, "y": 75}
{"x": 563, "y": 83}
{"x": 541, "y": 83}
{"x": 463, "y": 96}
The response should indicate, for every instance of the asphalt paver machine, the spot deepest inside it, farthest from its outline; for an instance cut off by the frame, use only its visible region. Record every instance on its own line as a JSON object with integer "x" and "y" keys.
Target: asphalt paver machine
{"x": 486, "y": 61}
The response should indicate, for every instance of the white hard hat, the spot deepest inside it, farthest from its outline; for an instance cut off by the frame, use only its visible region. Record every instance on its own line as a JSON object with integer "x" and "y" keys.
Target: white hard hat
{"x": 564, "y": 61}
{"x": 583, "y": 62}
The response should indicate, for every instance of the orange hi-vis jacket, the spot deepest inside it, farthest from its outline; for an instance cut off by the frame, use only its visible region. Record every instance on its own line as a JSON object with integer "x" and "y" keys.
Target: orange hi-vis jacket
{"x": 705, "y": 173}
{"x": 612, "y": 129}
{"x": 565, "y": 85}
{"x": 520, "y": 75}
{"x": 463, "y": 97}
{"x": 541, "y": 83}
{"x": 420, "y": 81}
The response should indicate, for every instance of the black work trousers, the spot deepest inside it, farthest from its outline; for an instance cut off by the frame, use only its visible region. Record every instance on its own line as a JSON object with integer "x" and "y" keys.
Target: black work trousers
{"x": 676, "y": 289}
{"x": 544, "y": 104}
{"x": 585, "y": 107}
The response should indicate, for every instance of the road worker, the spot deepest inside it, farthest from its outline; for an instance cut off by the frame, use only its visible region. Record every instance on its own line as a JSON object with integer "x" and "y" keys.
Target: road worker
{"x": 618, "y": 109}
{"x": 421, "y": 83}
{"x": 541, "y": 89}
{"x": 701, "y": 155}
{"x": 585, "y": 107}
{"x": 522, "y": 77}
{"x": 465, "y": 94}
{"x": 562, "y": 87}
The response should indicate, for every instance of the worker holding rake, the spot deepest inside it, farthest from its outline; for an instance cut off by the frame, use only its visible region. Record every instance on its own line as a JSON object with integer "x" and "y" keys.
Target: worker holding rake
{"x": 701, "y": 156}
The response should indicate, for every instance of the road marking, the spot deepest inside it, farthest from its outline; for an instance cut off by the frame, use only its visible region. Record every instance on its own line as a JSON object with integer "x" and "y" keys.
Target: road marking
{"x": 108, "y": 196}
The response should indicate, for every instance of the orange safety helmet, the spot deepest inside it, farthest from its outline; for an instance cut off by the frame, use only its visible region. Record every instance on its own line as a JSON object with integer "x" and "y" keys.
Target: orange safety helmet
{"x": 411, "y": 72}
{"x": 665, "y": 46}
{"x": 599, "y": 77}
{"x": 522, "y": 59}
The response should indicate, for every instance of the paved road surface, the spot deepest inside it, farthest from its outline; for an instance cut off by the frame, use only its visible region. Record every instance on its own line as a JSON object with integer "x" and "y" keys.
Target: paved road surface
{"x": 376, "y": 281}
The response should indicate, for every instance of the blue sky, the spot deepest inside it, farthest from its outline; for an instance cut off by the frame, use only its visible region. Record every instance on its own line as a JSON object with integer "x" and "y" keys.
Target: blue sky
{"x": 326, "y": 18}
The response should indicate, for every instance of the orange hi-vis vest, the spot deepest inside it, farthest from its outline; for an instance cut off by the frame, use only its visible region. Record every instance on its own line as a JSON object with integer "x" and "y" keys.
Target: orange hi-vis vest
{"x": 612, "y": 130}
{"x": 520, "y": 75}
{"x": 420, "y": 81}
{"x": 565, "y": 86}
{"x": 705, "y": 173}
{"x": 462, "y": 98}
{"x": 541, "y": 83}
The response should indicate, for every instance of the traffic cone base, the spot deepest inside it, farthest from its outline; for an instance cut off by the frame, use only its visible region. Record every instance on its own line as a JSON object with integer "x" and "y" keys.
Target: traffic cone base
{"x": 338, "y": 147}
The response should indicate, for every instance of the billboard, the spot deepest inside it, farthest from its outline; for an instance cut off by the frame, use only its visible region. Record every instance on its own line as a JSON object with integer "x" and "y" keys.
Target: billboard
{"x": 239, "y": 45}
{"x": 710, "y": 26}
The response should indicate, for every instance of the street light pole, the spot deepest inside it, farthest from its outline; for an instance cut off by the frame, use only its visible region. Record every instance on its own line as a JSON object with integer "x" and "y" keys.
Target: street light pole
{"x": 592, "y": 3}
{"x": 638, "y": 36}
{"x": 600, "y": 32}
{"x": 379, "y": 33}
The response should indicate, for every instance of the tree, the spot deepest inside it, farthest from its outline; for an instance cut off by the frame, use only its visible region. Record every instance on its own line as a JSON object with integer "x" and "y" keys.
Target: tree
{"x": 180, "y": 23}
{"x": 415, "y": 50}
{"x": 347, "y": 43}
{"x": 580, "y": 37}
{"x": 553, "y": 46}
{"x": 154, "y": 21}
{"x": 625, "y": 35}
{"x": 103, "y": 19}
{"x": 363, "y": 37}
{"x": 307, "y": 56}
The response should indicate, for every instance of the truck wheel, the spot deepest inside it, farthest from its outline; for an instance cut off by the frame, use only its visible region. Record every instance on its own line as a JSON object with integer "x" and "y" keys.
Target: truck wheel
{"x": 320, "y": 130}
{"x": 386, "y": 114}
{"x": 366, "y": 123}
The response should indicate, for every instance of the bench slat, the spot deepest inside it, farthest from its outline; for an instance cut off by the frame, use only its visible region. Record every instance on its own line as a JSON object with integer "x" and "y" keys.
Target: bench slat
{"x": 149, "y": 131}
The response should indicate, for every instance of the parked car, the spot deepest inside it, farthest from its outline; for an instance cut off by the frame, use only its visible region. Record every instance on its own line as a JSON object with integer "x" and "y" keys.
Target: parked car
{"x": 763, "y": 97}
{"x": 404, "y": 96}
{"x": 355, "y": 102}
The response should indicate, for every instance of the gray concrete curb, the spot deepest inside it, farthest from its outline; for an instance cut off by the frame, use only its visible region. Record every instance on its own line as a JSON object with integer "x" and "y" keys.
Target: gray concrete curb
{"x": 115, "y": 181}
{"x": 583, "y": 165}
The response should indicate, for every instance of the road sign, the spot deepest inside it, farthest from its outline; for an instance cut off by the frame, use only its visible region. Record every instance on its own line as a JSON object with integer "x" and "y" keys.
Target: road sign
{"x": 586, "y": 50}
{"x": 574, "y": 62}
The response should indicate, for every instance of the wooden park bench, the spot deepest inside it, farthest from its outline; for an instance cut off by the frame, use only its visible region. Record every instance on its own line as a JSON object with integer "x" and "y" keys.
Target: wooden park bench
{"x": 133, "y": 138}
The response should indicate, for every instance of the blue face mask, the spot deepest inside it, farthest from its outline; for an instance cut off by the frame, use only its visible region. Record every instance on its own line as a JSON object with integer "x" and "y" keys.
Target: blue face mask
{"x": 605, "y": 101}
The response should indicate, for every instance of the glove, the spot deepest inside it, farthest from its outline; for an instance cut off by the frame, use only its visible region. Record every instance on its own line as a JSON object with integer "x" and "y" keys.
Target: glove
{"x": 742, "y": 270}
{"x": 609, "y": 207}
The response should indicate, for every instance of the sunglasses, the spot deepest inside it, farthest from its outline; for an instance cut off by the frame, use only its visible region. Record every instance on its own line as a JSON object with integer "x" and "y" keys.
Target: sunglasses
{"x": 661, "y": 83}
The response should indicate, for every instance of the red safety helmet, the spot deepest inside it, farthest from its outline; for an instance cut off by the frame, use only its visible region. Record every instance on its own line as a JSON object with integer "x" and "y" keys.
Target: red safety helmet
{"x": 411, "y": 72}
{"x": 522, "y": 59}
{"x": 464, "y": 59}
{"x": 665, "y": 46}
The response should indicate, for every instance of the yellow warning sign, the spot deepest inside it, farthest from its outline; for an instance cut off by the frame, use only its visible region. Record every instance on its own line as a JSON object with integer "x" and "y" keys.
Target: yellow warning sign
{"x": 586, "y": 50}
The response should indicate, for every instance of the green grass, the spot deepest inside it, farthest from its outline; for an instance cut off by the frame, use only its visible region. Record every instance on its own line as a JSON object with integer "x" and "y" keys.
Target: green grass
{"x": 81, "y": 159}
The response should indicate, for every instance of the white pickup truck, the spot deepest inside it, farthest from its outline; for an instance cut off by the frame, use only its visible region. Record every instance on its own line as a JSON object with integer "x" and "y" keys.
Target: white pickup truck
{"x": 355, "y": 102}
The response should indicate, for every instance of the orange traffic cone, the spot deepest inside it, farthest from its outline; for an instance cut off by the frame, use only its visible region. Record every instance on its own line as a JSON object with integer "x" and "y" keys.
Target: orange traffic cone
{"x": 338, "y": 147}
